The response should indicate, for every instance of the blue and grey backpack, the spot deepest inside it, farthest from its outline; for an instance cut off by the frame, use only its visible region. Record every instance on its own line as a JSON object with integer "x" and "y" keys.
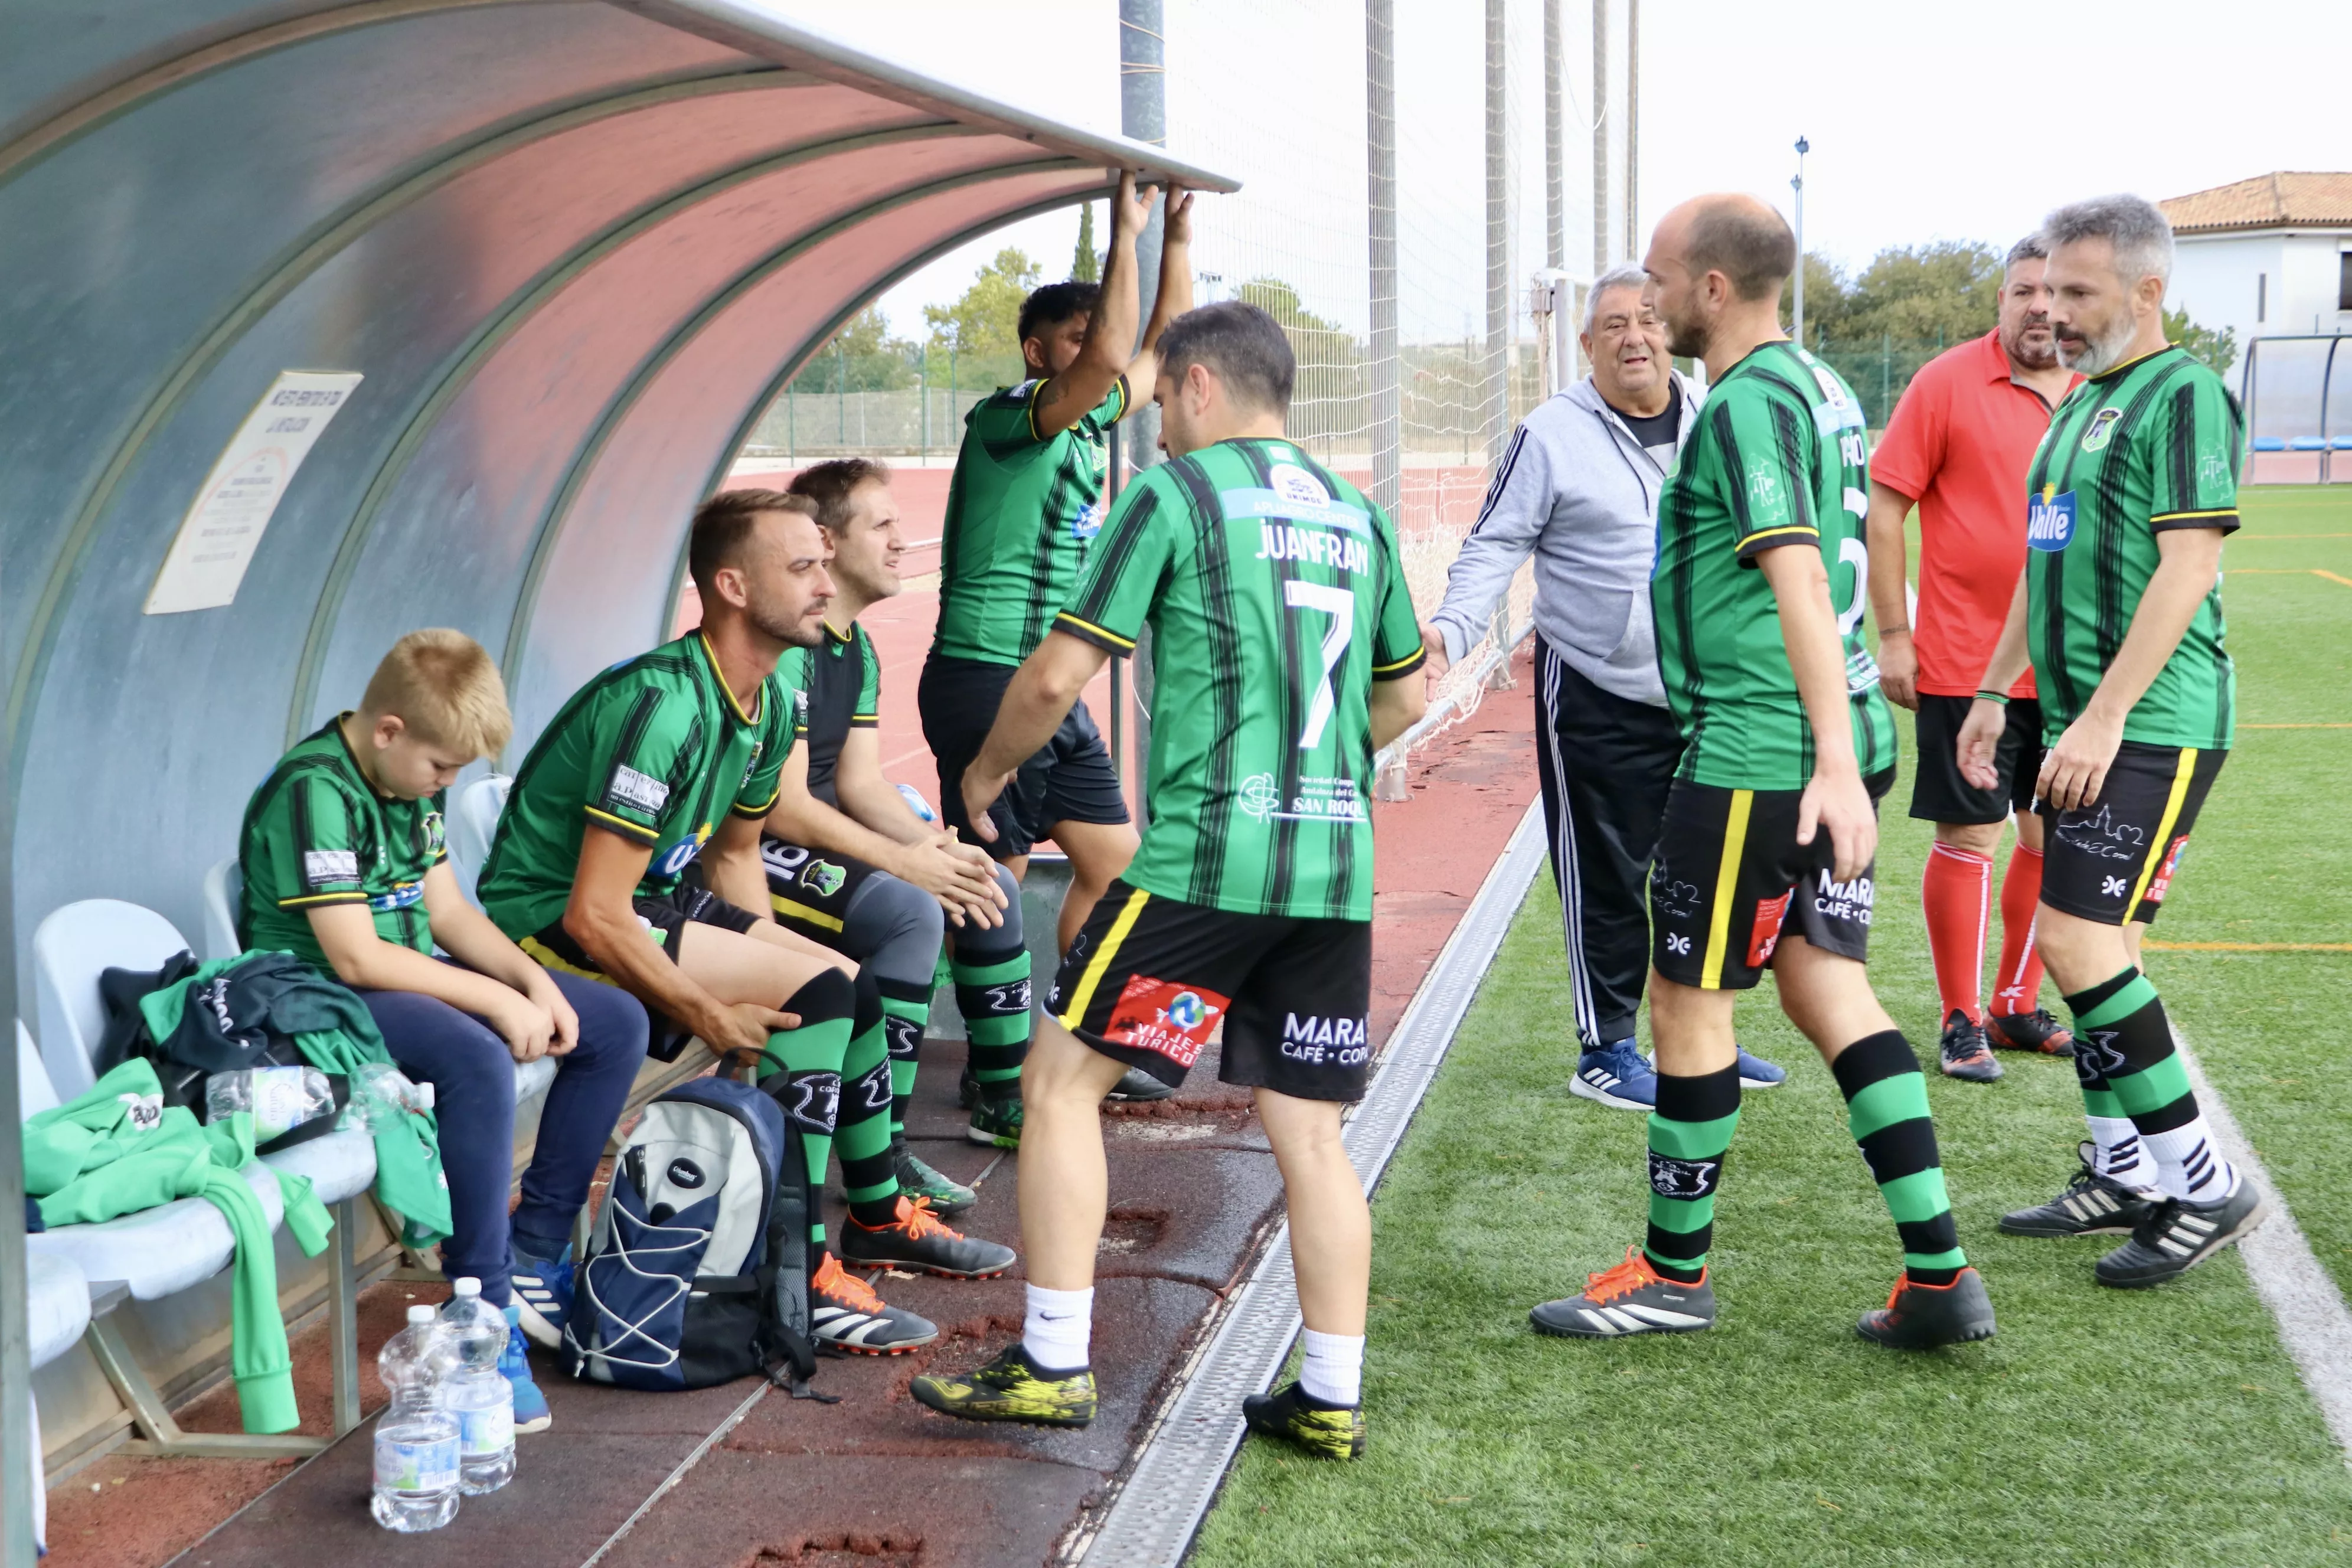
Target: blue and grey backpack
{"x": 698, "y": 1270}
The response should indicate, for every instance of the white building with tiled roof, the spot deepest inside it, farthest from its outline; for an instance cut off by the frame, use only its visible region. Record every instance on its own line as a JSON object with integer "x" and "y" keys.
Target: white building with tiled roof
{"x": 2270, "y": 256}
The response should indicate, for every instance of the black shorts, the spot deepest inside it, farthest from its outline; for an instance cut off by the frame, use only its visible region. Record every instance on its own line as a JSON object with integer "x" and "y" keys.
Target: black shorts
{"x": 1729, "y": 878}
{"x": 1149, "y": 979}
{"x": 1939, "y": 793}
{"x": 665, "y": 919}
{"x": 1071, "y": 779}
{"x": 2114, "y": 862}
{"x": 809, "y": 890}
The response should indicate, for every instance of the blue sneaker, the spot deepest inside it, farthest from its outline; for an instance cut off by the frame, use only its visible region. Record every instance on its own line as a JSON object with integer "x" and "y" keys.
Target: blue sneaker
{"x": 1616, "y": 1075}
{"x": 1754, "y": 1072}
{"x": 543, "y": 1292}
{"x": 531, "y": 1411}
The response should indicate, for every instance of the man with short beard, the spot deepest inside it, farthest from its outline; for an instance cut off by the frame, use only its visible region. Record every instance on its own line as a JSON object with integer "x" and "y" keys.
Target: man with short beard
{"x": 661, "y": 761}
{"x": 2120, "y": 610}
{"x": 1578, "y": 489}
{"x": 1957, "y": 448}
{"x": 1765, "y": 854}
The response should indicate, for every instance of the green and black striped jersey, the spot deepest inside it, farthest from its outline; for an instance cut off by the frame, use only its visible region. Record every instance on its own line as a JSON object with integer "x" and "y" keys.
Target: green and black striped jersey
{"x": 656, "y": 750}
{"x": 1022, "y": 511}
{"x": 317, "y": 833}
{"x": 1777, "y": 458}
{"x": 1276, "y": 598}
{"x": 840, "y": 686}
{"x": 2148, "y": 446}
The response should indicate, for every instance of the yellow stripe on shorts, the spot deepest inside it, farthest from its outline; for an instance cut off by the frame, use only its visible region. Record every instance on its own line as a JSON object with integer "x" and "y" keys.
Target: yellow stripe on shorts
{"x": 1127, "y": 915}
{"x": 2157, "y": 846}
{"x": 1727, "y": 884}
{"x": 791, "y": 911}
{"x": 549, "y": 959}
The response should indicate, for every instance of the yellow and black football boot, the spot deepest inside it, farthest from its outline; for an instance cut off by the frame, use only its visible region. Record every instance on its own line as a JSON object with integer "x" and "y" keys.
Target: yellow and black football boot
{"x": 1326, "y": 1433}
{"x": 1010, "y": 1389}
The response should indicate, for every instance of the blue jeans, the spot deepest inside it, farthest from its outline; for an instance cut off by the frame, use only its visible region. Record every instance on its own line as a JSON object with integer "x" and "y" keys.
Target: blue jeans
{"x": 472, "y": 1074}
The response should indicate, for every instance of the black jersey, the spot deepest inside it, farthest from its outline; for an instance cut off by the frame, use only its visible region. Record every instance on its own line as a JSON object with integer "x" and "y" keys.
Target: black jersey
{"x": 840, "y": 680}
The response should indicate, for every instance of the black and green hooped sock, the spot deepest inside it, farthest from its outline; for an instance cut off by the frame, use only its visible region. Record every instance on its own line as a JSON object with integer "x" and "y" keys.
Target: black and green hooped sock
{"x": 992, "y": 992}
{"x": 2121, "y": 1035}
{"x": 864, "y": 1132}
{"x": 1689, "y": 1131}
{"x": 810, "y": 1058}
{"x": 906, "y": 1015}
{"x": 1886, "y": 1109}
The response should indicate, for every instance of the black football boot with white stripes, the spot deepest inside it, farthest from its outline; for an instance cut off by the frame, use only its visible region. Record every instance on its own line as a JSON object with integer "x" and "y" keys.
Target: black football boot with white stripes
{"x": 845, "y": 1315}
{"x": 1630, "y": 1299}
{"x": 2090, "y": 1205}
{"x": 2176, "y": 1235}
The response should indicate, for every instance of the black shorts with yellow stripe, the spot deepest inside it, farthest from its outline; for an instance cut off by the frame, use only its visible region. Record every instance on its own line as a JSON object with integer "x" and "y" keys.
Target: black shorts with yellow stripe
{"x": 664, "y": 919}
{"x": 1149, "y": 980}
{"x": 2114, "y": 860}
{"x": 809, "y": 890}
{"x": 1729, "y": 880}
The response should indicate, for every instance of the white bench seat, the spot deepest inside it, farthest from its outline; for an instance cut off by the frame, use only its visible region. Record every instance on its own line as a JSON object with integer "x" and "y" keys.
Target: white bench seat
{"x": 161, "y": 1251}
{"x": 57, "y": 1299}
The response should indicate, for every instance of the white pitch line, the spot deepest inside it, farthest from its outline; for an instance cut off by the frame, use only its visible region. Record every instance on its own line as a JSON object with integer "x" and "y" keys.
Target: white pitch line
{"x": 2312, "y": 1321}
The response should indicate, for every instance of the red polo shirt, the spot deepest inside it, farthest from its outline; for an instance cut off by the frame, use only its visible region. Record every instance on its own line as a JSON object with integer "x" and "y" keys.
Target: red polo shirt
{"x": 1960, "y": 445}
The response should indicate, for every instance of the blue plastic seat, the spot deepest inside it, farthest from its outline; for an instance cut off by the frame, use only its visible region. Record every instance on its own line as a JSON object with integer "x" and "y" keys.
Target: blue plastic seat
{"x": 2306, "y": 444}
{"x": 2269, "y": 444}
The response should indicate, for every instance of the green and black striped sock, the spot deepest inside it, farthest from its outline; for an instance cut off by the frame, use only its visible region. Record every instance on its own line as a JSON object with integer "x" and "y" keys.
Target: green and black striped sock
{"x": 1689, "y": 1131}
{"x": 906, "y": 1015}
{"x": 993, "y": 991}
{"x": 863, "y": 1135}
{"x": 1886, "y": 1107}
{"x": 2121, "y": 1033}
{"x": 810, "y": 1058}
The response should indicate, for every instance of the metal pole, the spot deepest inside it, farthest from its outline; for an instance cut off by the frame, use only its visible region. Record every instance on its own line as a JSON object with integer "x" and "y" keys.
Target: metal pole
{"x": 1555, "y": 149}
{"x": 1798, "y": 185}
{"x": 1380, "y": 214}
{"x": 1143, "y": 117}
{"x": 1632, "y": 126}
{"x": 1117, "y": 696}
{"x": 16, "y": 1334}
{"x": 1498, "y": 233}
{"x": 1600, "y": 137}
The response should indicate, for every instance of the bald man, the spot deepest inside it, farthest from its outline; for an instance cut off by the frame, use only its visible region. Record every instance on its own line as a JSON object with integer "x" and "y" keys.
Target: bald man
{"x": 1765, "y": 855}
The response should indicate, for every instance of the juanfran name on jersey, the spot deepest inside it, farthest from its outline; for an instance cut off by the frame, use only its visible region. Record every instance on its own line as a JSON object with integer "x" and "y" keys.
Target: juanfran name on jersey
{"x": 1293, "y": 497}
{"x": 2050, "y": 519}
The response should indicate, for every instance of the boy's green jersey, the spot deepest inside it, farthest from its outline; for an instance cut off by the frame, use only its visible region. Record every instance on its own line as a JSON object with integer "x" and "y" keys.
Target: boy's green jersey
{"x": 657, "y": 750}
{"x": 2148, "y": 446}
{"x": 317, "y": 833}
{"x": 1276, "y": 598}
{"x": 1778, "y": 459}
{"x": 1022, "y": 511}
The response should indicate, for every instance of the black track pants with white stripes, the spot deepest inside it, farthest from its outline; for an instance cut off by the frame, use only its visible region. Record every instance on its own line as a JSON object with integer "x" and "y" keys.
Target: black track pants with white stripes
{"x": 1606, "y": 764}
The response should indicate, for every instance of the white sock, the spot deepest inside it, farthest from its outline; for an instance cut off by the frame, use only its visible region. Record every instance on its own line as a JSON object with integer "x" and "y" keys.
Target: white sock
{"x": 1333, "y": 1370}
{"x": 2118, "y": 1156}
{"x": 1054, "y": 1331}
{"x": 2188, "y": 1166}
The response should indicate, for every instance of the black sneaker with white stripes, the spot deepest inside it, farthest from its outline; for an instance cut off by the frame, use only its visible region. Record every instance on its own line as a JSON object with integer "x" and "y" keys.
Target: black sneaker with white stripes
{"x": 2090, "y": 1205}
{"x": 1630, "y": 1299}
{"x": 2176, "y": 1237}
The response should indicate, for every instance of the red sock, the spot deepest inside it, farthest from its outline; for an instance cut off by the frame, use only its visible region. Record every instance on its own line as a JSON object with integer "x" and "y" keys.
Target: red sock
{"x": 1958, "y": 893}
{"x": 2017, "y": 984}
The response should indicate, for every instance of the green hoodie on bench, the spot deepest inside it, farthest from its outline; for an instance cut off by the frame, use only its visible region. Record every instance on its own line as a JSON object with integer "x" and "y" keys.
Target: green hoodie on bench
{"x": 118, "y": 1150}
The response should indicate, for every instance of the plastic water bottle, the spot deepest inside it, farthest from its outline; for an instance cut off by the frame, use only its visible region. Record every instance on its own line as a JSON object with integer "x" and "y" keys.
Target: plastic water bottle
{"x": 415, "y": 1441}
{"x": 475, "y": 1394}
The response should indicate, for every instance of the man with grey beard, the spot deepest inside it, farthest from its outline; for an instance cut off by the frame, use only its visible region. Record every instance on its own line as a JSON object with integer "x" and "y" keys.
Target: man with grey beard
{"x": 1958, "y": 446}
{"x": 2120, "y": 610}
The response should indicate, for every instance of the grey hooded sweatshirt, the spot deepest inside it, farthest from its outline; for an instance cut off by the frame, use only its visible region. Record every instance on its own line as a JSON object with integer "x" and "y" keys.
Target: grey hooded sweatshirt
{"x": 1578, "y": 492}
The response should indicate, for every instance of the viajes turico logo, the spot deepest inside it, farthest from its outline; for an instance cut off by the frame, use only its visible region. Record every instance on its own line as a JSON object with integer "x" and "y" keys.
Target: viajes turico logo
{"x": 1161, "y": 1015}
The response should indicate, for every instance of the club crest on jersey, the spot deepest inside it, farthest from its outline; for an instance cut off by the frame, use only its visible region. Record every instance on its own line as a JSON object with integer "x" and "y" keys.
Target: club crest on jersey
{"x": 1765, "y": 496}
{"x": 2102, "y": 425}
{"x": 823, "y": 877}
{"x": 1162, "y": 1017}
{"x": 434, "y": 832}
{"x": 2050, "y": 519}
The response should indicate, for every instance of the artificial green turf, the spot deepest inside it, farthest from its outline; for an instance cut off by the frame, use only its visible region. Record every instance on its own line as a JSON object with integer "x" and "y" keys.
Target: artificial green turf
{"x": 2100, "y": 1427}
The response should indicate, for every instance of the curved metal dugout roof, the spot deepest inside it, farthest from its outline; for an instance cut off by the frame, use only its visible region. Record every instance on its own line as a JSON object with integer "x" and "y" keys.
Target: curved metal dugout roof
{"x": 574, "y": 247}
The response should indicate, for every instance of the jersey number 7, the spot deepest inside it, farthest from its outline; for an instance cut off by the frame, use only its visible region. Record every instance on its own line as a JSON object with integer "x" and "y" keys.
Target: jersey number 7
{"x": 1339, "y": 603}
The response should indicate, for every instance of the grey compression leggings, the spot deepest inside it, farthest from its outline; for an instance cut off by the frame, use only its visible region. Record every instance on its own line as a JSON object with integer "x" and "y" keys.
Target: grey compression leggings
{"x": 894, "y": 928}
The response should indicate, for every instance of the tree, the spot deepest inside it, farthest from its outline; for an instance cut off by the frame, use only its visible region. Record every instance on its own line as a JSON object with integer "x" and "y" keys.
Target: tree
{"x": 1945, "y": 293}
{"x": 1280, "y": 301}
{"x": 1086, "y": 266}
{"x": 861, "y": 357}
{"x": 984, "y": 319}
{"x": 2217, "y": 350}
{"x": 1825, "y": 298}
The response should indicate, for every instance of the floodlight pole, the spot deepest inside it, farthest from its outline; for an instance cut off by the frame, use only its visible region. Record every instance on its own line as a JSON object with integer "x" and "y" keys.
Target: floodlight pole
{"x": 1600, "y": 137}
{"x": 1498, "y": 233}
{"x": 1381, "y": 230}
{"x": 1143, "y": 117}
{"x": 1798, "y": 185}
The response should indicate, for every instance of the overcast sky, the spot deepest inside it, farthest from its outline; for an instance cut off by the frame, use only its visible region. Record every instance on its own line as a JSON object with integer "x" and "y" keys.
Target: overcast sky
{"x": 1926, "y": 122}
